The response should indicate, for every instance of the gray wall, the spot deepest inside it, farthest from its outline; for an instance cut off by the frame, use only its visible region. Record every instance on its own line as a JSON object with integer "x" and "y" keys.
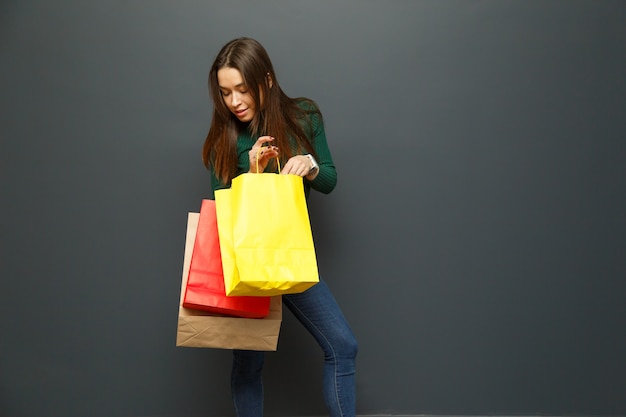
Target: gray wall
{"x": 476, "y": 239}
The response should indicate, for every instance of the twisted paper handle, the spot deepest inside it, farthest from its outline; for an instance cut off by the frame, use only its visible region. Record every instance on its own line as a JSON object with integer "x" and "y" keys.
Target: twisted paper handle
{"x": 258, "y": 151}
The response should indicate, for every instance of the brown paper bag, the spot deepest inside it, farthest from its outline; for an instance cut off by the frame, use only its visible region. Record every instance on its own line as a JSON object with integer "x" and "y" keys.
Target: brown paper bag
{"x": 203, "y": 329}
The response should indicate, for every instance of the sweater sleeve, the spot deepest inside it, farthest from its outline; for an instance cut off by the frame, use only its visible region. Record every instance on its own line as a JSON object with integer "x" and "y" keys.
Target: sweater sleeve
{"x": 326, "y": 179}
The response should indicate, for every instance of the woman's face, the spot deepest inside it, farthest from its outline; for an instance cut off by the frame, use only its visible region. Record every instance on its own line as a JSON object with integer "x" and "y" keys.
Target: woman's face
{"x": 235, "y": 94}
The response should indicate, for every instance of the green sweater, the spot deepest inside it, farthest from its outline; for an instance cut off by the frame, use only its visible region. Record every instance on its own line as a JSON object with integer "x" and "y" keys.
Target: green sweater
{"x": 325, "y": 180}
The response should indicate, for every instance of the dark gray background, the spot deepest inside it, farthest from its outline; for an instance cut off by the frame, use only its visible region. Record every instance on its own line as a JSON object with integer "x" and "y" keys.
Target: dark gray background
{"x": 476, "y": 238}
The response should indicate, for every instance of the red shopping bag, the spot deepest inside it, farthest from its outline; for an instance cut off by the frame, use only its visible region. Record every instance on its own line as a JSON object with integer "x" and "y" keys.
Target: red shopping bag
{"x": 205, "y": 284}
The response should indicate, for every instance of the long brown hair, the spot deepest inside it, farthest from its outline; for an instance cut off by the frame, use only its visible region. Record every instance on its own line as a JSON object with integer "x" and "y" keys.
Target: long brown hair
{"x": 277, "y": 114}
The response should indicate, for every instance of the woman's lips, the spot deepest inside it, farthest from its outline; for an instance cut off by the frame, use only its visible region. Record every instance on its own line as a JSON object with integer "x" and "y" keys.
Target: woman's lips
{"x": 240, "y": 113}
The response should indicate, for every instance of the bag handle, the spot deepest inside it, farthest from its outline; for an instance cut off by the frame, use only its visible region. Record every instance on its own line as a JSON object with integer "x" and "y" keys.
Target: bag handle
{"x": 258, "y": 151}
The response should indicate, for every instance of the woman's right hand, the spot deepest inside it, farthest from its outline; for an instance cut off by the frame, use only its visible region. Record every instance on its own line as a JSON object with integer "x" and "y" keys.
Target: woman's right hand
{"x": 263, "y": 153}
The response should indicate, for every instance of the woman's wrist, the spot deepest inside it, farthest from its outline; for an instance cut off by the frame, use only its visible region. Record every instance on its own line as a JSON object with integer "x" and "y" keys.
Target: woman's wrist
{"x": 314, "y": 169}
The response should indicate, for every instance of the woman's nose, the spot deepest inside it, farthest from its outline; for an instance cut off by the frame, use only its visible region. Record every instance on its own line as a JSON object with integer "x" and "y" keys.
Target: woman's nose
{"x": 235, "y": 99}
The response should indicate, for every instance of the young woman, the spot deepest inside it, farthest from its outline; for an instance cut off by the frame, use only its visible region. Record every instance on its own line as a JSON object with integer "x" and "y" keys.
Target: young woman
{"x": 253, "y": 118}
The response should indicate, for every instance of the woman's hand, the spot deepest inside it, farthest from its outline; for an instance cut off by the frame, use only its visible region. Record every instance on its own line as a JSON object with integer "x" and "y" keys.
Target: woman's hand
{"x": 299, "y": 165}
{"x": 263, "y": 153}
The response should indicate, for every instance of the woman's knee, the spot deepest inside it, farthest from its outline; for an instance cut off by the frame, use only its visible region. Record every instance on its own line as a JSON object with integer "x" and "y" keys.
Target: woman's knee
{"x": 345, "y": 347}
{"x": 351, "y": 347}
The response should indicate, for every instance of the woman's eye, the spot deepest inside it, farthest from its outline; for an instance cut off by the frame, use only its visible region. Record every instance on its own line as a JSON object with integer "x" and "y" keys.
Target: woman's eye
{"x": 225, "y": 93}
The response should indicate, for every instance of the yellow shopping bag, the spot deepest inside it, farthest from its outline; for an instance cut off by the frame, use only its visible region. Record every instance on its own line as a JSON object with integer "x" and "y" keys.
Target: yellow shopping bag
{"x": 268, "y": 227}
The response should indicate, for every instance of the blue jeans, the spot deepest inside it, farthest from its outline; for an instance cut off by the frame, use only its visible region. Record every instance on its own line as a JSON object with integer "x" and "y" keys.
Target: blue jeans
{"x": 318, "y": 311}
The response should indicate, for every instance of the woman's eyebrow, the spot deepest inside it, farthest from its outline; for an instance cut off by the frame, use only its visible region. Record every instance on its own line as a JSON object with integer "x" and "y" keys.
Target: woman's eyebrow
{"x": 237, "y": 86}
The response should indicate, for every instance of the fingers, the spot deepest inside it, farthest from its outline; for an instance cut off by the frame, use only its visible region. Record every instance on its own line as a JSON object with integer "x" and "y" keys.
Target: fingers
{"x": 297, "y": 165}
{"x": 262, "y": 140}
{"x": 261, "y": 153}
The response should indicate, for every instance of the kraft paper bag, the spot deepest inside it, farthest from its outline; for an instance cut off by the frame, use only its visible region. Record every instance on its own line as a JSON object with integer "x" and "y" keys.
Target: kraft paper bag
{"x": 266, "y": 220}
{"x": 203, "y": 329}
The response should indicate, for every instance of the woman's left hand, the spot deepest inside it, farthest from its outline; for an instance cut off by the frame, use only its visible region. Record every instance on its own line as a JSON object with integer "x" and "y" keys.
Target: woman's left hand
{"x": 297, "y": 165}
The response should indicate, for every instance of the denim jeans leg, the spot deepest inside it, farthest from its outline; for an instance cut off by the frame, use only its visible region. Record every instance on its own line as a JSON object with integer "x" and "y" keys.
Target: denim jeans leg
{"x": 318, "y": 311}
{"x": 247, "y": 383}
